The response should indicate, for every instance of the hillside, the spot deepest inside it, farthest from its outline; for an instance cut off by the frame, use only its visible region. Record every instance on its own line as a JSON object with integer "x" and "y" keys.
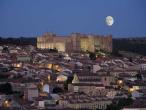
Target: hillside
{"x": 136, "y": 45}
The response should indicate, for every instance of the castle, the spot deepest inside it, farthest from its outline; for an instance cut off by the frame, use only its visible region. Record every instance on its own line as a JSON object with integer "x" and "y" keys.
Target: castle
{"x": 75, "y": 42}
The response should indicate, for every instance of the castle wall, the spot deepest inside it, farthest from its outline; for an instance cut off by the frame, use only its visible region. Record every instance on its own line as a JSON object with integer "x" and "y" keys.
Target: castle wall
{"x": 75, "y": 42}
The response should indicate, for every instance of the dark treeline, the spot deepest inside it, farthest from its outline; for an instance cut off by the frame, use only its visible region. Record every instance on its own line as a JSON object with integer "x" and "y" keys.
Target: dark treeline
{"x": 18, "y": 41}
{"x": 135, "y": 45}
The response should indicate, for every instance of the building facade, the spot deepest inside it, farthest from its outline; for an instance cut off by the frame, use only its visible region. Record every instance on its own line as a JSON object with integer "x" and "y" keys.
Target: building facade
{"x": 76, "y": 42}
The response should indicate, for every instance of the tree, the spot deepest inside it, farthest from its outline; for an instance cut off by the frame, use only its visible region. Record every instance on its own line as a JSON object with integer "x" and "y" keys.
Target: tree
{"x": 112, "y": 107}
{"x": 120, "y": 104}
{"x": 92, "y": 56}
{"x": 57, "y": 90}
{"x": 69, "y": 79}
{"x": 66, "y": 85}
{"x": 5, "y": 50}
{"x": 6, "y": 88}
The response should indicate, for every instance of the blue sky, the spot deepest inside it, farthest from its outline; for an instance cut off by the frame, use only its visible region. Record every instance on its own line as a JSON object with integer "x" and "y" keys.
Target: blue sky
{"x": 31, "y": 18}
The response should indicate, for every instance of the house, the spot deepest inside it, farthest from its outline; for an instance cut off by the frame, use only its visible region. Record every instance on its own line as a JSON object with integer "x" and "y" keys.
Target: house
{"x": 31, "y": 92}
{"x": 23, "y": 58}
{"x": 83, "y": 101}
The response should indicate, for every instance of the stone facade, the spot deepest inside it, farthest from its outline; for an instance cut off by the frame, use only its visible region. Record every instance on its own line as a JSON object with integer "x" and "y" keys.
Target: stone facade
{"x": 76, "y": 42}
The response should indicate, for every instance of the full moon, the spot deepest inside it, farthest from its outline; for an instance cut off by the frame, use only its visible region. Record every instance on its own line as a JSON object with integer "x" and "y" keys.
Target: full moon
{"x": 109, "y": 20}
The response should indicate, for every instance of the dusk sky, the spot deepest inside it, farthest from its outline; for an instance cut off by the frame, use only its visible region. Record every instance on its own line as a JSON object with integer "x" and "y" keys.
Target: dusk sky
{"x": 32, "y": 18}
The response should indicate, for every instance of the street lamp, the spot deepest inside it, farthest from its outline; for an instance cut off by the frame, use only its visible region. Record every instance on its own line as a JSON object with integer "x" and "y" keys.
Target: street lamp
{"x": 120, "y": 83}
{"x": 6, "y": 104}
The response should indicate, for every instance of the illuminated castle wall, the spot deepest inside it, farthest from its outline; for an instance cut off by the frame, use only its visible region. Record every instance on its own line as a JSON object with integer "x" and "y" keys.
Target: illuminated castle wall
{"x": 76, "y": 42}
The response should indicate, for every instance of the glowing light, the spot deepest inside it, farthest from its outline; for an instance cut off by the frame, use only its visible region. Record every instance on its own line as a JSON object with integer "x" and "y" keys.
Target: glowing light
{"x": 49, "y": 66}
{"x": 120, "y": 82}
{"x": 61, "y": 78}
{"x": 18, "y": 65}
{"x": 66, "y": 55}
{"x": 49, "y": 77}
{"x": 59, "y": 69}
{"x": 56, "y": 66}
{"x": 6, "y": 102}
{"x": 42, "y": 83}
{"x": 131, "y": 89}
